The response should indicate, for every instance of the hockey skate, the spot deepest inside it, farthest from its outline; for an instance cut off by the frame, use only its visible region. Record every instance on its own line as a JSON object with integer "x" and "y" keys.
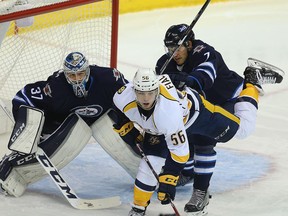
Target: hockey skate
{"x": 259, "y": 73}
{"x": 137, "y": 211}
{"x": 198, "y": 203}
{"x": 11, "y": 182}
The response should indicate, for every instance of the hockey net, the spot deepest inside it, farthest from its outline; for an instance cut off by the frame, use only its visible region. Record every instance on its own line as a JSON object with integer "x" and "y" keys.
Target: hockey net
{"x": 40, "y": 33}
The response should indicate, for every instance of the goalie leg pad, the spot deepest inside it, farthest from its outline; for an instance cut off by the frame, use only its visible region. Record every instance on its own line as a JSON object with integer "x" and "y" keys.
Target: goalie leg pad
{"x": 14, "y": 184}
{"x": 27, "y": 129}
{"x": 110, "y": 141}
{"x": 62, "y": 147}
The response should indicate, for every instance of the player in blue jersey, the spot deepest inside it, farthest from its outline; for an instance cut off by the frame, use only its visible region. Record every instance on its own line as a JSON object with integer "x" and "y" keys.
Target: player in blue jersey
{"x": 85, "y": 89}
{"x": 72, "y": 99}
{"x": 198, "y": 65}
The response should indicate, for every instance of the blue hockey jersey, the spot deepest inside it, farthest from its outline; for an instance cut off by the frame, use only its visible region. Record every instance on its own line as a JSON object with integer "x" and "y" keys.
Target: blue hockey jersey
{"x": 56, "y": 98}
{"x": 214, "y": 79}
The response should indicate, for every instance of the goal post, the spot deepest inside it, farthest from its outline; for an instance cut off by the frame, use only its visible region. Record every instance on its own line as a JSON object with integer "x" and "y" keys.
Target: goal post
{"x": 40, "y": 33}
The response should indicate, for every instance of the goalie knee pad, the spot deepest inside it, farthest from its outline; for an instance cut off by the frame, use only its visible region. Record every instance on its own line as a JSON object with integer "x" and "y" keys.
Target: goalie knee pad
{"x": 62, "y": 146}
{"x": 111, "y": 142}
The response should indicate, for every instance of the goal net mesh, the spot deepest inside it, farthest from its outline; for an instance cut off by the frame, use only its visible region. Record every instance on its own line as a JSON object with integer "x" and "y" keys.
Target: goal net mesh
{"x": 35, "y": 47}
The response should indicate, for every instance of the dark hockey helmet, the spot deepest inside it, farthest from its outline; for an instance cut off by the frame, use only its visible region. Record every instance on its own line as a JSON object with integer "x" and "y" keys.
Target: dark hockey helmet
{"x": 77, "y": 72}
{"x": 175, "y": 33}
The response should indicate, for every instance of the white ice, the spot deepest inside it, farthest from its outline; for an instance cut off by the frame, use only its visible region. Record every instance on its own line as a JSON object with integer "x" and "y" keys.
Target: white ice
{"x": 251, "y": 175}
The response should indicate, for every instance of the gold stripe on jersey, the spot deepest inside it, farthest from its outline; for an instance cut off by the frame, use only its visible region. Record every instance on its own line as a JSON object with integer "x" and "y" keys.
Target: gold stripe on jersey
{"x": 129, "y": 106}
{"x": 141, "y": 197}
{"x": 217, "y": 109}
{"x": 186, "y": 118}
{"x": 166, "y": 94}
{"x": 180, "y": 159}
{"x": 153, "y": 121}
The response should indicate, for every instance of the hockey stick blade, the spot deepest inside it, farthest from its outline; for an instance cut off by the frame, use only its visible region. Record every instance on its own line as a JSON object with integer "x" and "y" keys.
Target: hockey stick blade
{"x": 188, "y": 32}
{"x": 67, "y": 191}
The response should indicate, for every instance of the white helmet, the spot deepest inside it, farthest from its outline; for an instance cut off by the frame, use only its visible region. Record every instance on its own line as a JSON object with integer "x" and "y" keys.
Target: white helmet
{"x": 145, "y": 80}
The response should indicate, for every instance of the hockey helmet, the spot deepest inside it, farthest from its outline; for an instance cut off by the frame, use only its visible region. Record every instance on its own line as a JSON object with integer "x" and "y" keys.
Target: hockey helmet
{"x": 146, "y": 86}
{"x": 145, "y": 80}
{"x": 77, "y": 72}
{"x": 175, "y": 33}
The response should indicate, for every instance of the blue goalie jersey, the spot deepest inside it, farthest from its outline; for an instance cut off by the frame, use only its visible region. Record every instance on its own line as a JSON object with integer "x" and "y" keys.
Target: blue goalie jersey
{"x": 56, "y": 98}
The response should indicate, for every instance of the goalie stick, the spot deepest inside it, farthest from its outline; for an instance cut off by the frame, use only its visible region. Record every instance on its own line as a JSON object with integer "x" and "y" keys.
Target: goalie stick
{"x": 156, "y": 176}
{"x": 186, "y": 35}
{"x": 65, "y": 189}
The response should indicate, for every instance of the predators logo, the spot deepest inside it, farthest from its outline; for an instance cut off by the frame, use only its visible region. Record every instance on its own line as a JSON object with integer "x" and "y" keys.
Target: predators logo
{"x": 154, "y": 140}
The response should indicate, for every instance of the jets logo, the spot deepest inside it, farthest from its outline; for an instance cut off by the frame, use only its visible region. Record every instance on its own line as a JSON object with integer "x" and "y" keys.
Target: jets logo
{"x": 198, "y": 49}
{"x": 47, "y": 90}
{"x": 116, "y": 74}
{"x": 89, "y": 111}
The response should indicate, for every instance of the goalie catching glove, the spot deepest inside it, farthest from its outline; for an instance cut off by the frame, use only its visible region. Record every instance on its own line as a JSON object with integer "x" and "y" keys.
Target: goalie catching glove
{"x": 167, "y": 187}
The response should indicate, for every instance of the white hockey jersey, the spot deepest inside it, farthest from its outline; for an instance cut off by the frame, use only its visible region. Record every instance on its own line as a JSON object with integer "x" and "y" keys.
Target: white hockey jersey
{"x": 170, "y": 112}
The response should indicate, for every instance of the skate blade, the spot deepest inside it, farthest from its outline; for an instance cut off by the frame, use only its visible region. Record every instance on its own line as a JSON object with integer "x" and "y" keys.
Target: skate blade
{"x": 200, "y": 213}
{"x": 252, "y": 62}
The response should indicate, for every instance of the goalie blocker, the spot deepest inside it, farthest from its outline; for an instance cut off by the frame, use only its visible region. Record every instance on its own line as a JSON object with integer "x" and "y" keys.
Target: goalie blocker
{"x": 21, "y": 168}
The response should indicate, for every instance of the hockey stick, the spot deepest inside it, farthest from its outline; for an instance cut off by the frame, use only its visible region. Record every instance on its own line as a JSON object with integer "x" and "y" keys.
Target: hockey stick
{"x": 66, "y": 190}
{"x": 156, "y": 176}
{"x": 186, "y": 35}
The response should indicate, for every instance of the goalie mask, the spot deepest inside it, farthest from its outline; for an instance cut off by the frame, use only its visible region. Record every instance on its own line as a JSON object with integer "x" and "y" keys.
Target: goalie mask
{"x": 77, "y": 72}
{"x": 146, "y": 86}
{"x": 173, "y": 37}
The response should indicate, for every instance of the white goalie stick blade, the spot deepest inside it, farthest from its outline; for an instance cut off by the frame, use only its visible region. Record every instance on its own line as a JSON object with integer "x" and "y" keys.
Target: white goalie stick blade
{"x": 67, "y": 191}
{"x": 252, "y": 62}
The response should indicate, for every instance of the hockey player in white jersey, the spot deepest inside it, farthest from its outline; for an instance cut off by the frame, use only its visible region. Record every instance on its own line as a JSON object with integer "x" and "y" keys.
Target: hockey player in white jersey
{"x": 166, "y": 116}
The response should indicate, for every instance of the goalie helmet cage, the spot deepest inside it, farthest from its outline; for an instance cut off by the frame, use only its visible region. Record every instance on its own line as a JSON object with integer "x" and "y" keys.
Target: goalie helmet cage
{"x": 36, "y": 35}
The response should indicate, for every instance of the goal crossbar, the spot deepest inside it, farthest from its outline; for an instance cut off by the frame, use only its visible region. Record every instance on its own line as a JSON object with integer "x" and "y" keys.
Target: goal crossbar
{"x": 40, "y": 10}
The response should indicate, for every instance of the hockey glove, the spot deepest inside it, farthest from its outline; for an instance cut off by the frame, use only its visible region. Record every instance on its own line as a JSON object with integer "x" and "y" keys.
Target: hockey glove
{"x": 167, "y": 187}
{"x": 180, "y": 79}
{"x": 128, "y": 133}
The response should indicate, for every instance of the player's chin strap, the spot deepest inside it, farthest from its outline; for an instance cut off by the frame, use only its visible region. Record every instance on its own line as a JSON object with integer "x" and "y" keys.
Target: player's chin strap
{"x": 29, "y": 129}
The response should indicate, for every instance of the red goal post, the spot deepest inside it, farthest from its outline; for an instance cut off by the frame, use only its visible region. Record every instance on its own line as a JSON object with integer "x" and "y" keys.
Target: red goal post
{"x": 36, "y": 35}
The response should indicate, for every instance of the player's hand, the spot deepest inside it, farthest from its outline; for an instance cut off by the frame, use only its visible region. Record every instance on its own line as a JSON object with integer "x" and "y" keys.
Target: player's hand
{"x": 180, "y": 79}
{"x": 128, "y": 133}
{"x": 167, "y": 187}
